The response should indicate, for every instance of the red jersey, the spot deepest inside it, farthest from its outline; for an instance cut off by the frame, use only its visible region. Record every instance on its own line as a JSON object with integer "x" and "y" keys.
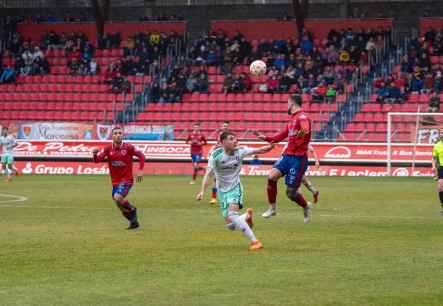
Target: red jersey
{"x": 298, "y": 143}
{"x": 120, "y": 160}
{"x": 198, "y": 140}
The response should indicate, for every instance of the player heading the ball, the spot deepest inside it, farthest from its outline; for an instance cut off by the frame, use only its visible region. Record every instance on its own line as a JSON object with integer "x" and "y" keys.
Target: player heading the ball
{"x": 294, "y": 160}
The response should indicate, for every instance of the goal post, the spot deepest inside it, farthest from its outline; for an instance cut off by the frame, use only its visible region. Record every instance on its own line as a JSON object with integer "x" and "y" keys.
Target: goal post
{"x": 409, "y": 139}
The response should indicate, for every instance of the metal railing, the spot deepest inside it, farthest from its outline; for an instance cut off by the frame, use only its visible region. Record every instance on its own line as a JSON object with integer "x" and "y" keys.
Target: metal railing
{"x": 159, "y": 71}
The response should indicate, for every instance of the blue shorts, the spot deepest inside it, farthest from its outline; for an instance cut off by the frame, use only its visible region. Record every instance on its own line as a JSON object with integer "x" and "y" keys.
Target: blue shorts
{"x": 122, "y": 189}
{"x": 293, "y": 167}
{"x": 196, "y": 158}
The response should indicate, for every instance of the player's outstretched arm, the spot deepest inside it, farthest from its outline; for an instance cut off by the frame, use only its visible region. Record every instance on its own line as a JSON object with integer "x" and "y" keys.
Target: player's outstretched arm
{"x": 261, "y": 150}
{"x": 283, "y": 134}
{"x": 259, "y": 135}
{"x": 141, "y": 165}
{"x": 205, "y": 182}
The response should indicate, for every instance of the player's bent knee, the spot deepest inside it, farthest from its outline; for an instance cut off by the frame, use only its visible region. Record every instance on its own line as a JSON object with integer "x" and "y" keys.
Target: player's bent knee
{"x": 230, "y": 226}
{"x": 291, "y": 193}
{"x": 118, "y": 198}
{"x": 274, "y": 175}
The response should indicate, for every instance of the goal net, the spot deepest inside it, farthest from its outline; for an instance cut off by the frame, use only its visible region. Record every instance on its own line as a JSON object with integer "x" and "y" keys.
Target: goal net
{"x": 410, "y": 137}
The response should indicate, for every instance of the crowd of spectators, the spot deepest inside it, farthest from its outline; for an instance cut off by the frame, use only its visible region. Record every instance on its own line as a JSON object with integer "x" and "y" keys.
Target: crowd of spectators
{"x": 305, "y": 65}
{"x": 417, "y": 72}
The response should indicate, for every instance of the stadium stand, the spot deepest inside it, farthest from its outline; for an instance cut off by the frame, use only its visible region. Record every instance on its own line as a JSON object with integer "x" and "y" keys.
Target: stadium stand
{"x": 333, "y": 61}
{"x": 417, "y": 83}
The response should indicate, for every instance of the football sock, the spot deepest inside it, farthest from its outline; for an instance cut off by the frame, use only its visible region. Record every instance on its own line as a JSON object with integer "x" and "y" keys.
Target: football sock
{"x": 241, "y": 224}
{"x": 299, "y": 199}
{"x": 194, "y": 174}
{"x": 128, "y": 210}
{"x": 272, "y": 192}
{"x": 309, "y": 185}
{"x": 440, "y": 194}
{"x": 214, "y": 193}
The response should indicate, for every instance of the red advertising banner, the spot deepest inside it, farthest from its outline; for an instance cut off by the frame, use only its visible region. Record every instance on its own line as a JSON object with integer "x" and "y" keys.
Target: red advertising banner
{"x": 178, "y": 168}
{"x": 178, "y": 150}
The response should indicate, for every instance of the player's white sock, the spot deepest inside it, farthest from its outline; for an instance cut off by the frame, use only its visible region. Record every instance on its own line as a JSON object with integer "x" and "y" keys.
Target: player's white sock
{"x": 241, "y": 224}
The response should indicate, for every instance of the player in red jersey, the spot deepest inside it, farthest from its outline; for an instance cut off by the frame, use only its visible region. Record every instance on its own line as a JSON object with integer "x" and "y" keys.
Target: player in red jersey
{"x": 224, "y": 128}
{"x": 119, "y": 156}
{"x": 294, "y": 160}
{"x": 197, "y": 140}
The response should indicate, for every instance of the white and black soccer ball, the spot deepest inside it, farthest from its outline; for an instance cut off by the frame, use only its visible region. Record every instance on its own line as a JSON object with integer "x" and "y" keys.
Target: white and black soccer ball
{"x": 257, "y": 68}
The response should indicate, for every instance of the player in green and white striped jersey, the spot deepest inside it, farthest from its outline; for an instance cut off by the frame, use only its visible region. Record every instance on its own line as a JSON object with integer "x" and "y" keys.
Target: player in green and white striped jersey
{"x": 225, "y": 163}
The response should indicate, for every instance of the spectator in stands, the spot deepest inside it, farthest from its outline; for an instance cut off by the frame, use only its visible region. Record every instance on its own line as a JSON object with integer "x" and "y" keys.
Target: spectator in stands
{"x": 7, "y": 75}
{"x": 394, "y": 94}
{"x": 27, "y": 60}
{"x": 120, "y": 85}
{"x": 306, "y": 44}
{"x": 434, "y": 103}
{"x": 191, "y": 83}
{"x": 273, "y": 84}
{"x": 433, "y": 107}
{"x": 319, "y": 92}
{"x": 93, "y": 67}
{"x": 246, "y": 81}
{"x": 288, "y": 79}
{"x": 50, "y": 40}
{"x": 128, "y": 46}
{"x": 331, "y": 93}
{"x": 416, "y": 84}
{"x": 438, "y": 82}
{"x": 74, "y": 66}
{"x": 382, "y": 93}
{"x": 428, "y": 83}
{"x": 227, "y": 83}
{"x": 279, "y": 62}
{"x": 37, "y": 54}
{"x": 202, "y": 84}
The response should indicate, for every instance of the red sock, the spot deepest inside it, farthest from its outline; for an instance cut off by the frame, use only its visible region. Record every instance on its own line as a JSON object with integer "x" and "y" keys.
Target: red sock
{"x": 272, "y": 191}
{"x": 214, "y": 193}
{"x": 194, "y": 174}
{"x": 300, "y": 200}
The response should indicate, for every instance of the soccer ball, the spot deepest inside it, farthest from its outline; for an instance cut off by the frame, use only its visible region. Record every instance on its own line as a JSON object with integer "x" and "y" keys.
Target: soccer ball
{"x": 258, "y": 67}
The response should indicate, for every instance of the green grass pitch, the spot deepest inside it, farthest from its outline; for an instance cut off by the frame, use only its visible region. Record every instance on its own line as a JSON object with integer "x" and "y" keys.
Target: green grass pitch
{"x": 372, "y": 241}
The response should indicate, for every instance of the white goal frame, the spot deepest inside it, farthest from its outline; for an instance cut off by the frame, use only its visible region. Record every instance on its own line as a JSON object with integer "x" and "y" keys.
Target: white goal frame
{"x": 414, "y": 143}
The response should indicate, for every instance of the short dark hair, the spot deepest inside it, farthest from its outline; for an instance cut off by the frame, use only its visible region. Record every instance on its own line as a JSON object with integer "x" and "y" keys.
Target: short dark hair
{"x": 116, "y": 128}
{"x": 296, "y": 99}
{"x": 226, "y": 121}
{"x": 225, "y": 135}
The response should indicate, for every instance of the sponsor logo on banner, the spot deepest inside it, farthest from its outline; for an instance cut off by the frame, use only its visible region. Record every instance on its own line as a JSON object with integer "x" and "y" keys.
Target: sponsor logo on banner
{"x": 338, "y": 152}
{"x": 400, "y": 172}
{"x": 103, "y": 132}
{"x": 56, "y": 131}
{"x": 26, "y": 130}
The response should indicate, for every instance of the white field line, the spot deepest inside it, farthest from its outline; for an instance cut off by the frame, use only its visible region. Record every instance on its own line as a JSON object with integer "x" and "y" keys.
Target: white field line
{"x": 12, "y": 198}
